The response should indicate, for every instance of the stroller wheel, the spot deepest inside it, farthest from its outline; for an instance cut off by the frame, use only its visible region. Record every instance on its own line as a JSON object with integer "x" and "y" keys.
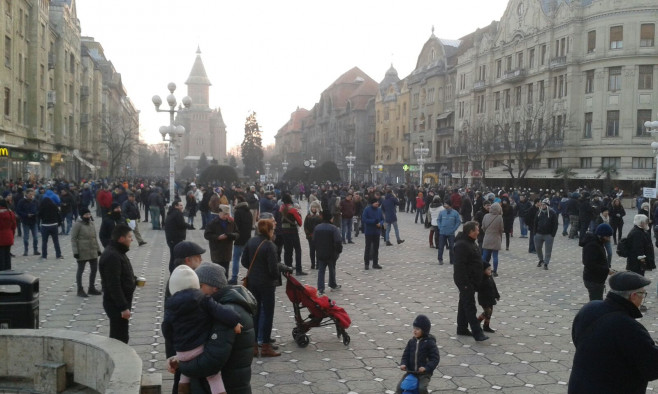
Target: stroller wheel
{"x": 346, "y": 339}
{"x": 302, "y": 340}
{"x": 295, "y": 333}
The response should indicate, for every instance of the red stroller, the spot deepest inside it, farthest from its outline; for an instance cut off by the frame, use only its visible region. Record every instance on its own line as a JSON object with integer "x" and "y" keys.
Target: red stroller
{"x": 319, "y": 308}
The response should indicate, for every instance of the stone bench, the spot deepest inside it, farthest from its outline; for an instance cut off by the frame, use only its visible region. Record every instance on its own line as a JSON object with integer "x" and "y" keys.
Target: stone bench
{"x": 49, "y": 357}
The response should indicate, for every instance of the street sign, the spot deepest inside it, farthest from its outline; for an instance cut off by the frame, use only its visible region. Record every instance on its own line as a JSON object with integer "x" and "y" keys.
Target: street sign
{"x": 649, "y": 192}
{"x": 405, "y": 167}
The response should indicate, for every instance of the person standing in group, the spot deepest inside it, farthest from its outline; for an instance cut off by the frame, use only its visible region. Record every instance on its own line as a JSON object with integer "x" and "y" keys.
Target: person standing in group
{"x": 243, "y": 225}
{"x": 111, "y": 218}
{"x": 220, "y": 233}
{"x": 253, "y": 200}
{"x": 421, "y": 355}
{"x": 448, "y": 223}
{"x": 508, "y": 219}
{"x": 334, "y": 208}
{"x": 493, "y": 228}
{"x": 155, "y": 201}
{"x": 130, "y": 212}
{"x": 263, "y": 277}
{"x": 359, "y": 206}
{"x": 617, "y": 213}
{"x": 347, "y": 215}
{"x": 118, "y": 281}
{"x": 604, "y": 217}
{"x": 573, "y": 210}
{"x": 50, "y": 221}
{"x": 545, "y": 226}
{"x": 522, "y": 209}
{"x": 312, "y": 219}
{"x": 487, "y": 297}
{"x": 204, "y": 205}
{"x": 389, "y": 209}
{"x": 175, "y": 229}
{"x": 66, "y": 210}
{"x": 290, "y": 223}
{"x": 468, "y": 276}
{"x": 191, "y": 206}
{"x": 641, "y": 255}
{"x": 328, "y": 247}
{"x": 434, "y": 209}
{"x": 595, "y": 261}
{"x": 373, "y": 220}
{"x": 420, "y": 205}
{"x": 530, "y": 221}
{"x": 614, "y": 352}
{"x": 104, "y": 199}
{"x": 7, "y": 231}
{"x": 585, "y": 215}
{"x": 85, "y": 249}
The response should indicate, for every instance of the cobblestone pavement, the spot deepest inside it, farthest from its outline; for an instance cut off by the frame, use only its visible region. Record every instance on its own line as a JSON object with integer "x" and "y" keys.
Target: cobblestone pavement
{"x": 530, "y": 353}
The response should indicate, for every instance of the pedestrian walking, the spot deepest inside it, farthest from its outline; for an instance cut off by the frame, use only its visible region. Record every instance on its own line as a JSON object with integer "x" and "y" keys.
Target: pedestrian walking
{"x": 389, "y": 209}
{"x": 131, "y": 215}
{"x": 545, "y": 226}
{"x": 50, "y": 219}
{"x": 347, "y": 214}
{"x": 448, "y": 223}
{"x": 220, "y": 233}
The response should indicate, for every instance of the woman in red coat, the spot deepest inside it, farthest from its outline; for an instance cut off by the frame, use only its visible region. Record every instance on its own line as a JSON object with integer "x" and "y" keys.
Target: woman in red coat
{"x": 7, "y": 230}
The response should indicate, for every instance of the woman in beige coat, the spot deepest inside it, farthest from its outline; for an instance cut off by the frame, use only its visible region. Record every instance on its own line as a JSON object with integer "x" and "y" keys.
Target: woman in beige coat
{"x": 493, "y": 228}
{"x": 85, "y": 248}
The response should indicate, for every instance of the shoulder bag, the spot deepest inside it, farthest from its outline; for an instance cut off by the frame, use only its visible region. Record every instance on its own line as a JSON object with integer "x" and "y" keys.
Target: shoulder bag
{"x": 244, "y": 280}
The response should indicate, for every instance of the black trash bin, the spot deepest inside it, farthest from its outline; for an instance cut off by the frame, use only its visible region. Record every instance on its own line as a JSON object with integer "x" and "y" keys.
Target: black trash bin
{"x": 19, "y": 300}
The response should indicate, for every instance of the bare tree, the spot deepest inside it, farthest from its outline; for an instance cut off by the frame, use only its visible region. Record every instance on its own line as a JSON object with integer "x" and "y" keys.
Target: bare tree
{"x": 118, "y": 137}
{"x": 478, "y": 144}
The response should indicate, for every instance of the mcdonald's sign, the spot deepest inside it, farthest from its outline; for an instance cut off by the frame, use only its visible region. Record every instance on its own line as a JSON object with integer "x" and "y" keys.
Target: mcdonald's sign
{"x": 4, "y": 152}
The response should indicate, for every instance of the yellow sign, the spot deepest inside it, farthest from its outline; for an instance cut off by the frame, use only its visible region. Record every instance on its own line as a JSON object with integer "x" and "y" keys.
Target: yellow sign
{"x": 4, "y": 152}
{"x": 56, "y": 158}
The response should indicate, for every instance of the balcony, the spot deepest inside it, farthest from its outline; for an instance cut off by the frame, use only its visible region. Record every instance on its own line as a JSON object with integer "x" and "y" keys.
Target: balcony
{"x": 479, "y": 85}
{"x": 555, "y": 144}
{"x": 515, "y": 75}
{"x": 443, "y": 131}
{"x": 557, "y": 63}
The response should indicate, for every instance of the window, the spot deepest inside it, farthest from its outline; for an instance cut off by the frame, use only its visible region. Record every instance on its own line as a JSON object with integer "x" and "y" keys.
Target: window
{"x": 589, "y": 81}
{"x": 507, "y": 98}
{"x": 643, "y": 115}
{"x": 555, "y": 163}
{"x": 587, "y": 130}
{"x": 517, "y": 96}
{"x": 541, "y": 91}
{"x": 585, "y": 162}
{"x": 496, "y": 101}
{"x": 72, "y": 63}
{"x": 645, "y": 81}
{"x": 560, "y": 86}
{"x": 462, "y": 82}
{"x": 480, "y": 104}
{"x": 617, "y": 37}
{"x": 542, "y": 55}
{"x": 7, "y": 102}
{"x": 41, "y": 117}
{"x": 8, "y": 51}
{"x": 643, "y": 162}
{"x": 482, "y": 73}
{"x": 591, "y": 41}
{"x": 508, "y": 63}
{"x": 43, "y": 35}
{"x": 499, "y": 68}
{"x": 530, "y": 93}
{"x": 531, "y": 58}
{"x": 614, "y": 79}
{"x": 430, "y": 96}
{"x": 519, "y": 60}
{"x": 612, "y": 128}
{"x": 647, "y": 32}
{"x": 42, "y": 76}
{"x": 611, "y": 162}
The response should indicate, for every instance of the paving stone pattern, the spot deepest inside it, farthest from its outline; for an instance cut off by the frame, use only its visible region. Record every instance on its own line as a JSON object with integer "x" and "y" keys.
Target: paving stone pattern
{"x": 530, "y": 353}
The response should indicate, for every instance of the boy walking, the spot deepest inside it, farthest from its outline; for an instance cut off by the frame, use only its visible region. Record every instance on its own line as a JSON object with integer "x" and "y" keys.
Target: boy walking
{"x": 421, "y": 356}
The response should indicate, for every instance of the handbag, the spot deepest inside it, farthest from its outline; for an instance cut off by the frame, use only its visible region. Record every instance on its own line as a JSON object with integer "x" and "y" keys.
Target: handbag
{"x": 244, "y": 280}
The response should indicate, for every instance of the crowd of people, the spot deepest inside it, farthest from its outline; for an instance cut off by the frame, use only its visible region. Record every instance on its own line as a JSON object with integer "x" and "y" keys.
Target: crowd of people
{"x": 256, "y": 229}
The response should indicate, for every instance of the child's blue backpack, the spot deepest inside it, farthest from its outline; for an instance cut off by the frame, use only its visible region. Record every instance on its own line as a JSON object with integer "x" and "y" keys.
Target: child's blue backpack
{"x": 410, "y": 384}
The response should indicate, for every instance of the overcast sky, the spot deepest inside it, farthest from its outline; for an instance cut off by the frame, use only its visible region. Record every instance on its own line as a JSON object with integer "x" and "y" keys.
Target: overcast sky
{"x": 263, "y": 55}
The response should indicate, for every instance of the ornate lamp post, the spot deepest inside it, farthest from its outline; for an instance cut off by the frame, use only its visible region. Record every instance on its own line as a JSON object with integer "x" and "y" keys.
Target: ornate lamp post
{"x": 312, "y": 162}
{"x": 284, "y": 165}
{"x": 420, "y": 152}
{"x": 175, "y": 132}
{"x": 350, "y": 164}
{"x": 267, "y": 170}
{"x": 652, "y": 127}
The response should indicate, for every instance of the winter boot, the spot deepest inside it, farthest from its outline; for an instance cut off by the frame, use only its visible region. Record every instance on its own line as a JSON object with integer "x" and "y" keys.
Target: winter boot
{"x": 81, "y": 293}
{"x": 486, "y": 327}
{"x": 92, "y": 290}
{"x": 431, "y": 238}
{"x": 267, "y": 351}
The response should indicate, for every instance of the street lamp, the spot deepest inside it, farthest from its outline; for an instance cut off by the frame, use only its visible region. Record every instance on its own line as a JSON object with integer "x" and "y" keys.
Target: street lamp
{"x": 175, "y": 132}
{"x": 420, "y": 152}
{"x": 652, "y": 127}
{"x": 350, "y": 164}
{"x": 312, "y": 161}
{"x": 284, "y": 165}
{"x": 267, "y": 170}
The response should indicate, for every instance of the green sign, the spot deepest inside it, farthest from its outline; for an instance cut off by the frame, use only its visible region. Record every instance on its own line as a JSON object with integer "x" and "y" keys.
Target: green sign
{"x": 405, "y": 167}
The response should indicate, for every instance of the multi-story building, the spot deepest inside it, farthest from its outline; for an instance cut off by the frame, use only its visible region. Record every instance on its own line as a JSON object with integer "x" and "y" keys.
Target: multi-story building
{"x": 52, "y": 91}
{"x": 288, "y": 141}
{"x": 205, "y": 128}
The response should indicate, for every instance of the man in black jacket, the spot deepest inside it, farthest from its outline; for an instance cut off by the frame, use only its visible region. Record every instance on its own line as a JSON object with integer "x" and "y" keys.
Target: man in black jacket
{"x": 545, "y": 229}
{"x": 110, "y": 219}
{"x": 468, "y": 273}
{"x": 118, "y": 281}
{"x": 129, "y": 210}
{"x": 175, "y": 229}
{"x": 614, "y": 352}
{"x": 328, "y": 247}
{"x": 595, "y": 261}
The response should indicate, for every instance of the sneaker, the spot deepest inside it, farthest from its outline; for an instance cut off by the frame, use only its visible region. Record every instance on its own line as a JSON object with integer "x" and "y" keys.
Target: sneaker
{"x": 366, "y": 267}
{"x": 400, "y": 241}
{"x": 495, "y": 274}
{"x": 440, "y": 262}
{"x": 481, "y": 337}
{"x": 388, "y": 243}
{"x": 36, "y": 253}
{"x": 350, "y": 242}
{"x": 142, "y": 243}
{"x": 60, "y": 258}
{"x": 546, "y": 267}
{"x": 377, "y": 267}
{"x": 320, "y": 292}
{"x": 466, "y": 332}
{"x": 24, "y": 253}
{"x": 233, "y": 282}
{"x": 488, "y": 329}
{"x": 336, "y": 288}
{"x": 540, "y": 264}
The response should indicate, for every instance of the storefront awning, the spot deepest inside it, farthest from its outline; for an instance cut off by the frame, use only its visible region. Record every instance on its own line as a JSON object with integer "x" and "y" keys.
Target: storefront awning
{"x": 444, "y": 115}
{"x": 76, "y": 154}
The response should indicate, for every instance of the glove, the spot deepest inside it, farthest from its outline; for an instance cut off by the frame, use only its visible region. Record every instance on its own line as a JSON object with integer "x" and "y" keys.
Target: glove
{"x": 77, "y": 256}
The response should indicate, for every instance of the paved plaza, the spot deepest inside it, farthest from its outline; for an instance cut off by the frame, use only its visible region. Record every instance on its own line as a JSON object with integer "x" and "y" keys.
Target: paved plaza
{"x": 531, "y": 352}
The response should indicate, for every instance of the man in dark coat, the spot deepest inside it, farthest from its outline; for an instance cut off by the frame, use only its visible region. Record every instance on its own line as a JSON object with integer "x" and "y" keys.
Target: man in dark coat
{"x": 545, "y": 228}
{"x": 175, "y": 229}
{"x": 467, "y": 276}
{"x": 585, "y": 214}
{"x": 130, "y": 211}
{"x": 614, "y": 352}
{"x": 595, "y": 261}
{"x": 111, "y": 218}
{"x": 118, "y": 281}
{"x": 220, "y": 233}
{"x": 328, "y": 246}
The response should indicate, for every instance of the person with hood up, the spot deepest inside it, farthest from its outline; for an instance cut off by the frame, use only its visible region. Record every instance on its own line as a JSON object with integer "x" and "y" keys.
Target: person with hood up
{"x": 493, "y": 227}
{"x": 545, "y": 226}
{"x": 111, "y": 218}
{"x": 85, "y": 249}
{"x": 421, "y": 355}
{"x": 51, "y": 219}
{"x": 595, "y": 262}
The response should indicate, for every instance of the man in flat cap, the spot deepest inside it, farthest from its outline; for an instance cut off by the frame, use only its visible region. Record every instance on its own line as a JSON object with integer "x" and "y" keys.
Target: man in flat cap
{"x": 614, "y": 352}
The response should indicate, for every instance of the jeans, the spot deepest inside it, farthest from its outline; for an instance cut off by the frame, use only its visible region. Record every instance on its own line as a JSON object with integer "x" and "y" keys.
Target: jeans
{"x": 419, "y": 212}
{"x": 486, "y": 256}
{"x": 531, "y": 242}
{"x": 346, "y": 229}
{"x": 524, "y": 228}
{"x": 93, "y": 264}
{"x": 204, "y": 219}
{"x": 574, "y": 222}
{"x": 237, "y": 254}
{"x": 450, "y": 240}
{"x": 617, "y": 233}
{"x": 372, "y": 250}
{"x": 608, "y": 249}
{"x": 565, "y": 224}
{"x": 311, "y": 252}
{"x": 540, "y": 241}
{"x": 155, "y": 217}
{"x": 291, "y": 243}
{"x": 467, "y": 313}
{"x": 69, "y": 222}
{"x": 388, "y": 231}
{"x": 27, "y": 229}
{"x": 595, "y": 290}
{"x": 50, "y": 231}
{"x": 322, "y": 265}
{"x": 264, "y": 316}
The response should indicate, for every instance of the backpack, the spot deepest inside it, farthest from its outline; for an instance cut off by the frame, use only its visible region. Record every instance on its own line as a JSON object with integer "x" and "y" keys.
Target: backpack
{"x": 623, "y": 247}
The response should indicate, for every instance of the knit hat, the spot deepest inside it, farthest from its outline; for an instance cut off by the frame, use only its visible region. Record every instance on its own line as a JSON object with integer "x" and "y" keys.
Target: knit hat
{"x": 82, "y": 211}
{"x": 114, "y": 205}
{"x": 422, "y": 322}
{"x": 603, "y": 230}
{"x": 212, "y": 274}
{"x": 546, "y": 201}
{"x": 645, "y": 205}
{"x": 183, "y": 278}
{"x": 224, "y": 209}
{"x": 316, "y": 204}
